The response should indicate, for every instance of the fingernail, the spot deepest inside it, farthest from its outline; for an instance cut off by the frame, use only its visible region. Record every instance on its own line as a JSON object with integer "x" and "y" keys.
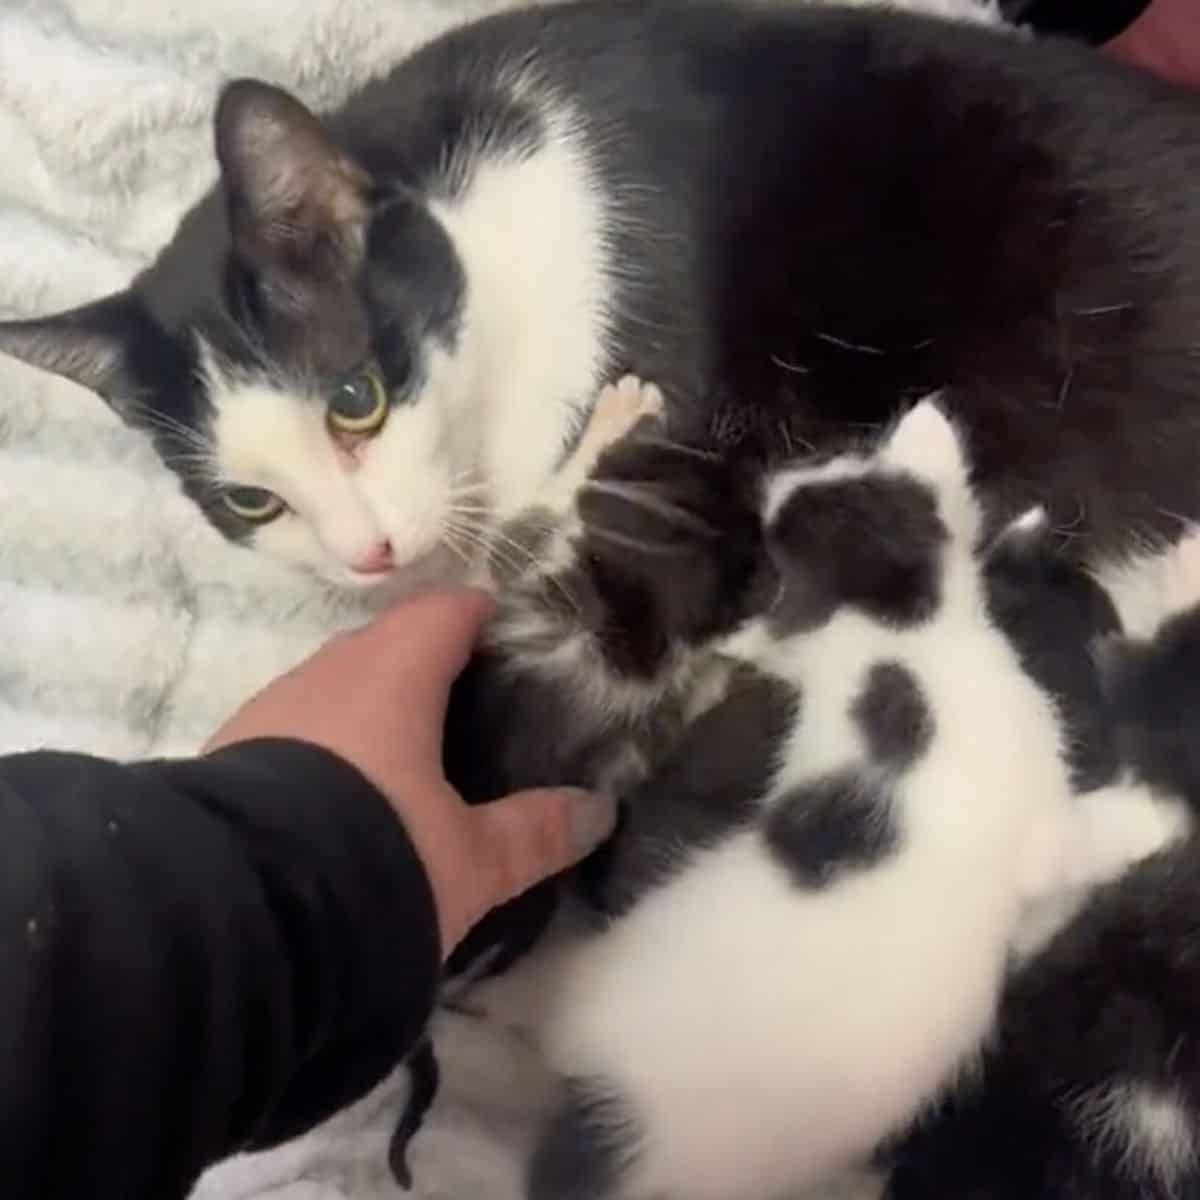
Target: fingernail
{"x": 593, "y": 818}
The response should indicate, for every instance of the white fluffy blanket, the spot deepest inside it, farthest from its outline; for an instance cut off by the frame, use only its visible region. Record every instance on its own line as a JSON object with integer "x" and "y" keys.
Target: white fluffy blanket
{"x": 128, "y": 627}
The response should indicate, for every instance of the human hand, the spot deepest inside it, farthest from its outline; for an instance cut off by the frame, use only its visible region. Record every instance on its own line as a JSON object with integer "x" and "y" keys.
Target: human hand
{"x": 377, "y": 697}
{"x": 1165, "y": 39}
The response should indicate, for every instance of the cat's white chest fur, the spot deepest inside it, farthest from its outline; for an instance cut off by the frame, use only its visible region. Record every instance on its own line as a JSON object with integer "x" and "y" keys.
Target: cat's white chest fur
{"x": 530, "y": 232}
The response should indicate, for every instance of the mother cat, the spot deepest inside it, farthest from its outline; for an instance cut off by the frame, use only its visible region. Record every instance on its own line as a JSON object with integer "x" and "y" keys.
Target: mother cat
{"x": 383, "y": 329}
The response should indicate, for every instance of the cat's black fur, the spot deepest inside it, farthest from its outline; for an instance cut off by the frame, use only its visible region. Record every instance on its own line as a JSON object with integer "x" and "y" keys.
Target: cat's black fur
{"x": 826, "y": 213}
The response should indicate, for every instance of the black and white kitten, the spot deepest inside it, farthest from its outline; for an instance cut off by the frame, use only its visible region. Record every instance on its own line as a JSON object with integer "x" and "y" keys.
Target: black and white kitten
{"x": 383, "y": 329}
{"x": 735, "y": 1030}
{"x": 1090, "y": 1086}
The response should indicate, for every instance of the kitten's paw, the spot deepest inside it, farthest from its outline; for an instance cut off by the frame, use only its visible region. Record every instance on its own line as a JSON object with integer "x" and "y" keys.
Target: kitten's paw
{"x": 619, "y": 407}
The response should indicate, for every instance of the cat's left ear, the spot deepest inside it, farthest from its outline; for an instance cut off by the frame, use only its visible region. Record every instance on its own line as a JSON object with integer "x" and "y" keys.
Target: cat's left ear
{"x": 297, "y": 202}
{"x": 92, "y": 345}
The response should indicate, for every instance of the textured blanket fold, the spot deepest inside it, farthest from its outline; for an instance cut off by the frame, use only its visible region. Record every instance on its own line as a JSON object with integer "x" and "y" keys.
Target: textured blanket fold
{"x": 127, "y": 626}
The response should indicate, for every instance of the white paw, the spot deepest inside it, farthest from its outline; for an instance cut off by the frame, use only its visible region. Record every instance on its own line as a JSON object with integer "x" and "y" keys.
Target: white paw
{"x": 620, "y": 406}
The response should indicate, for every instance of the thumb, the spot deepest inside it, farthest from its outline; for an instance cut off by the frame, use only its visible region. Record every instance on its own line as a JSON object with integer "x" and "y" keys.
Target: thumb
{"x": 532, "y": 835}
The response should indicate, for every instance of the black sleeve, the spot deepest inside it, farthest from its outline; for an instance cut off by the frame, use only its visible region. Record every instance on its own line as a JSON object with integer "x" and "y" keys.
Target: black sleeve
{"x": 1093, "y": 21}
{"x": 196, "y": 957}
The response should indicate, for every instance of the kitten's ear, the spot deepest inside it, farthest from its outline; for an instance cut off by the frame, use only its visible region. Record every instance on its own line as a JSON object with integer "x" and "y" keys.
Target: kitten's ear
{"x": 297, "y": 203}
{"x": 926, "y": 442}
{"x": 89, "y": 345}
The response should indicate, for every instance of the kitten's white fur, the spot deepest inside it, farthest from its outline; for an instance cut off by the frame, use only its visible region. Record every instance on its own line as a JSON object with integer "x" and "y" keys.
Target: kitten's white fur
{"x": 766, "y": 1036}
{"x": 1148, "y": 1128}
{"x": 493, "y": 417}
{"x": 1114, "y": 828}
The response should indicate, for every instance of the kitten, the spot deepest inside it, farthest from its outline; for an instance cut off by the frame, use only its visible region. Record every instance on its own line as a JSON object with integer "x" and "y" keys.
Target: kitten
{"x": 532, "y": 708}
{"x": 733, "y": 1031}
{"x": 381, "y": 332}
{"x": 1090, "y": 1086}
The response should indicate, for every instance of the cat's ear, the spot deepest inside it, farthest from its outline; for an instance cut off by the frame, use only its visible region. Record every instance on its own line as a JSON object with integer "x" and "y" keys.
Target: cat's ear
{"x": 89, "y": 345}
{"x": 927, "y": 443}
{"x": 297, "y": 203}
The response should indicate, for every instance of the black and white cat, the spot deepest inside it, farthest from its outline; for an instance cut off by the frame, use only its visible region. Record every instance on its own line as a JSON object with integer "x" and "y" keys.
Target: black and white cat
{"x": 803, "y": 956}
{"x": 382, "y": 331}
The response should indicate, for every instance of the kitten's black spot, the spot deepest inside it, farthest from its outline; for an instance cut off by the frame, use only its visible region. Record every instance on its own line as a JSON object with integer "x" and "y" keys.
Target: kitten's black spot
{"x": 834, "y": 825}
{"x": 587, "y": 1148}
{"x": 710, "y": 785}
{"x": 873, "y": 543}
{"x": 1053, "y": 612}
{"x": 424, "y": 1077}
{"x": 893, "y": 715}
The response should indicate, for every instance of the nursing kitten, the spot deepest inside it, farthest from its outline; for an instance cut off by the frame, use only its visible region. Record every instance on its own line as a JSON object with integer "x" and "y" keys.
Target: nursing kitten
{"x": 381, "y": 332}
{"x": 533, "y": 708}
{"x": 733, "y": 1030}
{"x": 1090, "y": 1086}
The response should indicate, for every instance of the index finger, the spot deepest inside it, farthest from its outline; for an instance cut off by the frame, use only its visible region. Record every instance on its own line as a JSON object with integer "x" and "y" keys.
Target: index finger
{"x": 426, "y": 640}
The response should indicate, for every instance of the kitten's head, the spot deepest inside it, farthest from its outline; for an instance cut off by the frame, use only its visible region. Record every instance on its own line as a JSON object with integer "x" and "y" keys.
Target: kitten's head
{"x": 873, "y": 530}
{"x": 294, "y": 353}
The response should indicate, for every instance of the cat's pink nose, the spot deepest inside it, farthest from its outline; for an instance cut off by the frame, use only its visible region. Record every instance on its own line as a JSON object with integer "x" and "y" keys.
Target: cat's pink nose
{"x": 377, "y": 561}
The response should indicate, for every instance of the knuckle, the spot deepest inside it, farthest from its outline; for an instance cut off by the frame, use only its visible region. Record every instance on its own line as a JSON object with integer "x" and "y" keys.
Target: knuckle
{"x": 550, "y": 830}
{"x": 537, "y": 844}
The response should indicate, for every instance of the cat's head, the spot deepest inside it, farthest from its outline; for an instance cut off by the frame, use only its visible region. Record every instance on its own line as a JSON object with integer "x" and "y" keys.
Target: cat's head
{"x": 873, "y": 530}
{"x": 294, "y": 354}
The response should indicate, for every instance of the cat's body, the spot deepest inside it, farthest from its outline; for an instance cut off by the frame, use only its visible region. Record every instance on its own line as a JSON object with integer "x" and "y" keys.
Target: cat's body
{"x": 382, "y": 333}
{"x": 1090, "y": 1086}
{"x": 796, "y": 965}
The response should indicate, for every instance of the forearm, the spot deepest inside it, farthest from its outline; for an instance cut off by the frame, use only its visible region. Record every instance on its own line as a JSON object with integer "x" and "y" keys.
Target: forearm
{"x": 197, "y": 957}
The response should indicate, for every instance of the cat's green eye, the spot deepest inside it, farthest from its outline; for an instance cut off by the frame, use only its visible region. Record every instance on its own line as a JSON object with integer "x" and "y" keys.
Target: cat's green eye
{"x": 360, "y": 405}
{"x": 253, "y": 504}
